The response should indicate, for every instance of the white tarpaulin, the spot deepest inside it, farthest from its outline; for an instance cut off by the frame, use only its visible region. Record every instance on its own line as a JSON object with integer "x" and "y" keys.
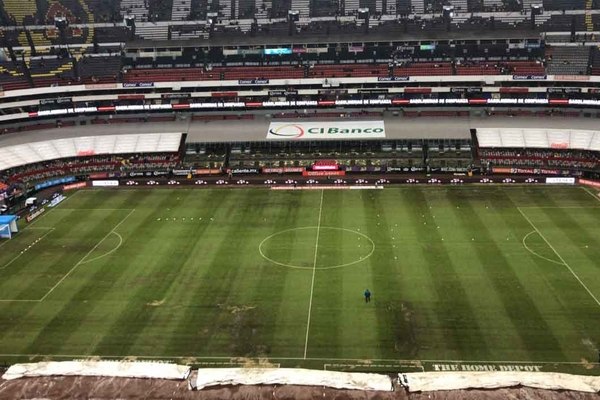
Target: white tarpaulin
{"x": 292, "y": 376}
{"x": 119, "y": 369}
{"x": 429, "y": 381}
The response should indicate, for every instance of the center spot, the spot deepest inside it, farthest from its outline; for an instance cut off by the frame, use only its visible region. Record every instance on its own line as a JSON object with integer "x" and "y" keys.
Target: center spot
{"x": 335, "y": 248}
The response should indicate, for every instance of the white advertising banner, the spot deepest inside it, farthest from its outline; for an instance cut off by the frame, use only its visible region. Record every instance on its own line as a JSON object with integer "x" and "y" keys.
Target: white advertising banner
{"x": 326, "y": 130}
{"x": 110, "y": 183}
{"x": 561, "y": 181}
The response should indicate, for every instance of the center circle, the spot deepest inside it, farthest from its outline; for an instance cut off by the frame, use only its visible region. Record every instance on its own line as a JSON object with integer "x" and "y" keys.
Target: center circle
{"x": 316, "y": 247}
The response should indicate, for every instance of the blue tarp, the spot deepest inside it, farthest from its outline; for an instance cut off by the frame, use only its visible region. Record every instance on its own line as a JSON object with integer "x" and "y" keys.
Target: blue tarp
{"x": 7, "y": 219}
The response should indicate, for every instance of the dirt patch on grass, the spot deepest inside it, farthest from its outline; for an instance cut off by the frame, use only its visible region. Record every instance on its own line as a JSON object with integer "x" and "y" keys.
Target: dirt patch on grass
{"x": 236, "y": 309}
{"x": 253, "y": 362}
{"x": 120, "y": 388}
{"x": 404, "y": 328}
{"x": 586, "y": 364}
{"x": 156, "y": 303}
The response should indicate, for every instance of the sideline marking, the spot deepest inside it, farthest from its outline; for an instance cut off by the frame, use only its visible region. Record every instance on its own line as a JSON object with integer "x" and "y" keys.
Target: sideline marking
{"x": 360, "y": 360}
{"x": 536, "y": 254}
{"x": 312, "y": 285}
{"x": 397, "y": 366}
{"x": 84, "y": 257}
{"x": 559, "y": 256}
{"x": 23, "y": 252}
{"x": 590, "y": 193}
{"x": 97, "y": 209}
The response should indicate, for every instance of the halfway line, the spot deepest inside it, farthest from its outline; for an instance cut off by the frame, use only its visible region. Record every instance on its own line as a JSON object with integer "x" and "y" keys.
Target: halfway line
{"x": 312, "y": 284}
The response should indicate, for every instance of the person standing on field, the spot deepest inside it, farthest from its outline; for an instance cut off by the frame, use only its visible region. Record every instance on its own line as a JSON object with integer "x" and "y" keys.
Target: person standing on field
{"x": 367, "y": 296}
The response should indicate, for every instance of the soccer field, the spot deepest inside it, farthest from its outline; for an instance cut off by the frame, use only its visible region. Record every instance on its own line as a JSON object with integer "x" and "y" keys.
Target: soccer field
{"x": 460, "y": 276}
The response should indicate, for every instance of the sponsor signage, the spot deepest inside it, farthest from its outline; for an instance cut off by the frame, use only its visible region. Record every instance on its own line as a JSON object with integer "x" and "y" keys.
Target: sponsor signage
{"x": 34, "y": 214}
{"x": 589, "y": 182}
{"x": 283, "y": 170}
{"x": 325, "y": 167}
{"x": 487, "y": 367}
{"x": 207, "y": 171}
{"x": 323, "y": 173}
{"x": 77, "y": 185}
{"x": 101, "y": 86}
{"x": 561, "y": 181}
{"x": 404, "y": 169}
{"x": 175, "y": 96}
{"x": 54, "y": 182}
{"x": 244, "y": 171}
{"x": 224, "y": 94}
{"x": 557, "y": 145}
{"x": 373, "y": 91}
{"x": 56, "y": 201}
{"x": 283, "y": 92}
{"x": 99, "y": 175}
{"x": 563, "y": 90}
{"x": 253, "y": 82}
{"x": 530, "y": 171}
{"x": 278, "y": 51}
{"x": 530, "y": 77}
{"x": 106, "y": 183}
{"x": 134, "y": 174}
{"x": 131, "y": 97}
{"x": 326, "y": 130}
{"x": 182, "y": 172}
{"x": 393, "y": 78}
{"x": 86, "y": 153}
{"x": 571, "y": 77}
{"x": 138, "y": 84}
{"x": 56, "y": 101}
{"x": 466, "y": 90}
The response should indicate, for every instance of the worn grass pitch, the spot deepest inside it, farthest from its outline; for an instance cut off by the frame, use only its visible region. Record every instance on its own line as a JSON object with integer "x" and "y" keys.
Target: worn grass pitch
{"x": 477, "y": 275}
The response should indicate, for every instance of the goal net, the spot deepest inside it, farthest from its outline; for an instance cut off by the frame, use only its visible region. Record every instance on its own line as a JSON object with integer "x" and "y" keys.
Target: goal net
{"x": 8, "y": 226}
{"x": 5, "y": 232}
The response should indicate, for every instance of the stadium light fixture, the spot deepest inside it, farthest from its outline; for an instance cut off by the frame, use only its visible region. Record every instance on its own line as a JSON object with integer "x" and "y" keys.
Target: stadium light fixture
{"x": 129, "y": 20}
{"x": 363, "y": 13}
{"x": 293, "y": 15}
{"x": 448, "y": 12}
{"x": 61, "y": 22}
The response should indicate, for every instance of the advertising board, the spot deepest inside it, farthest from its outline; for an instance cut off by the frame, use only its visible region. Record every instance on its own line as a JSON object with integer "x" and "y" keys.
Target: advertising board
{"x": 326, "y": 130}
{"x": 107, "y": 183}
{"x": 561, "y": 181}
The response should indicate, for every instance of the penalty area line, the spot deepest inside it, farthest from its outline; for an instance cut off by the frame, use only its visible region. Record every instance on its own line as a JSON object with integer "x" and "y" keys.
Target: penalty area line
{"x": 559, "y": 256}
{"x": 86, "y": 256}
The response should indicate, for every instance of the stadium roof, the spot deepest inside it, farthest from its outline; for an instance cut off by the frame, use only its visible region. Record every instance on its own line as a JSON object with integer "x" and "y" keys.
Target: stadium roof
{"x": 256, "y": 130}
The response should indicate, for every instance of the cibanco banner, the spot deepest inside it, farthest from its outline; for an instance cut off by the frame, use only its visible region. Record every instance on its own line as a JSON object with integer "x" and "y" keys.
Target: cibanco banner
{"x": 326, "y": 130}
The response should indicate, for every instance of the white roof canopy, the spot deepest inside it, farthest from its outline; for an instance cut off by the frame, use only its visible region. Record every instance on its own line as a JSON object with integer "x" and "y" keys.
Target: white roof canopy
{"x": 34, "y": 152}
{"x": 539, "y": 138}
